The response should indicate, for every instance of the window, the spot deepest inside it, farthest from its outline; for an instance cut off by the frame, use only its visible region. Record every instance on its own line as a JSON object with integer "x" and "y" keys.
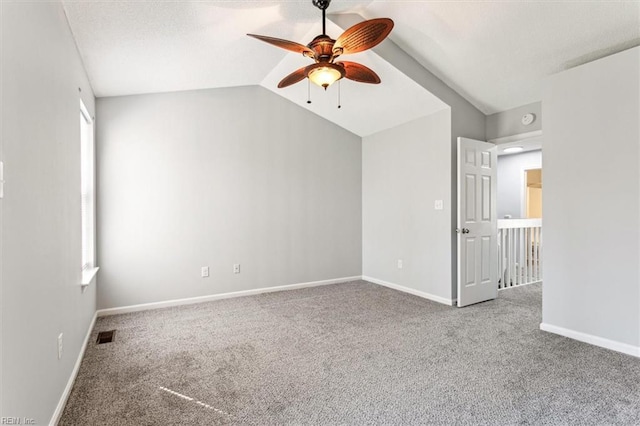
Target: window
{"x": 87, "y": 195}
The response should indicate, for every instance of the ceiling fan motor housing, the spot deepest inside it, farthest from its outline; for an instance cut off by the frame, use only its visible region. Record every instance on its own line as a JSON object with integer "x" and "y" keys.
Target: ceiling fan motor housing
{"x": 322, "y": 46}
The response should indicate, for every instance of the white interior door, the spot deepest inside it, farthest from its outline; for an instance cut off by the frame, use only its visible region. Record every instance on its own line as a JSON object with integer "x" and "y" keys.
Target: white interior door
{"x": 477, "y": 224}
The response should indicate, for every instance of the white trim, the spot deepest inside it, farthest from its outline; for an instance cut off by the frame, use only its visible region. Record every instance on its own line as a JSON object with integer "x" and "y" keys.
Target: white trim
{"x": 88, "y": 274}
{"x": 85, "y": 112}
{"x": 516, "y": 138}
{"x": 72, "y": 378}
{"x": 404, "y": 289}
{"x": 209, "y": 298}
{"x": 593, "y": 340}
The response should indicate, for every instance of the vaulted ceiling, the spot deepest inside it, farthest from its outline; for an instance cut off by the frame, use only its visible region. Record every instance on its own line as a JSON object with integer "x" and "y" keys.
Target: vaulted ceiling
{"x": 495, "y": 54}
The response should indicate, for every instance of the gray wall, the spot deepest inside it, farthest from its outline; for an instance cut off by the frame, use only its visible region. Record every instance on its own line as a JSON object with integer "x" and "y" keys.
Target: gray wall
{"x": 217, "y": 177}
{"x": 466, "y": 121}
{"x": 402, "y": 176}
{"x": 509, "y": 123}
{"x": 41, "y": 249}
{"x": 591, "y": 201}
{"x": 511, "y": 181}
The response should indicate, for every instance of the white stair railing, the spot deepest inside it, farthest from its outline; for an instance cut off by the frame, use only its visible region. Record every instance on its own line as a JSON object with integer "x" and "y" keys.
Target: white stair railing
{"x": 519, "y": 252}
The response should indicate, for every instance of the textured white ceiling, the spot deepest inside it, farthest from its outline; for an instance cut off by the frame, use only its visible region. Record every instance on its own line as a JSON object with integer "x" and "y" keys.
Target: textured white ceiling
{"x": 132, "y": 47}
{"x": 495, "y": 53}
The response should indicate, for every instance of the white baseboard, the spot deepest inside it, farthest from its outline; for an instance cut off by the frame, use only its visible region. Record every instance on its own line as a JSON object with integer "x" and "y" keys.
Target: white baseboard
{"x": 404, "y": 289}
{"x": 593, "y": 340}
{"x": 209, "y": 298}
{"x": 72, "y": 378}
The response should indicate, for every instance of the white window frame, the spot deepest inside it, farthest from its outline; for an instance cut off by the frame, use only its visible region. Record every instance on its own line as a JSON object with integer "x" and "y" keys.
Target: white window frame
{"x": 87, "y": 196}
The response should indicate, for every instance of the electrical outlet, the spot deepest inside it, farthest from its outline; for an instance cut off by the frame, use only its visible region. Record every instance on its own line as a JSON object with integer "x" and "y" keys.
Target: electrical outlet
{"x": 399, "y": 263}
{"x": 438, "y": 205}
{"x": 60, "y": 345}
{"x": 204, "y": 271}
{"x": 236, "y": 268}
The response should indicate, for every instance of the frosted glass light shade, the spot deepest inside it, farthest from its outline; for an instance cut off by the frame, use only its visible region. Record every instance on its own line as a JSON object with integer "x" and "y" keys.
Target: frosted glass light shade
{"x": 325, "y": 75}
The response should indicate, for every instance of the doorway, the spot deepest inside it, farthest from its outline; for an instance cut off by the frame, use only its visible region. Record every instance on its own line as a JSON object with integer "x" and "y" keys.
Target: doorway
{"x": 499, "y": 185}
{"x": 533, "y": 193}
{"x": 519, "y": 200}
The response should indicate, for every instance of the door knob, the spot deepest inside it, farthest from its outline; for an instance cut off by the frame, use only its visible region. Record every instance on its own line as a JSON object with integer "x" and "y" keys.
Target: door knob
{"x": 465, "y": 231}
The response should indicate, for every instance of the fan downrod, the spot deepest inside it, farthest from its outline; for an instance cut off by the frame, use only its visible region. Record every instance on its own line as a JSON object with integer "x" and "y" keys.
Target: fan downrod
{"x": 322, "y": 5}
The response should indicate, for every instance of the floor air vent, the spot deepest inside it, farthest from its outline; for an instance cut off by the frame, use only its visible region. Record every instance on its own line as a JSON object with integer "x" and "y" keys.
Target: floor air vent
{"x": 106, "y": 336}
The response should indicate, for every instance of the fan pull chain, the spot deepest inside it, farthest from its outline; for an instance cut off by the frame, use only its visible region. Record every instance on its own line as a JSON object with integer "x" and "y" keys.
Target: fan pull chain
{"x": 339, "y": 106}
{"x": 308, "y": 91}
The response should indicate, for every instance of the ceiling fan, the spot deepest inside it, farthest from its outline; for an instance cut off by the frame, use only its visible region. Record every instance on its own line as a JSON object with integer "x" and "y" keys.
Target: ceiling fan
{"x": 324, "y": 51}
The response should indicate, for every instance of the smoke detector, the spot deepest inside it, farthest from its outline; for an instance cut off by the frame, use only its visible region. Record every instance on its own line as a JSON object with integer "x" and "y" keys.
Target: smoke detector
{"x": 528, "y": 119}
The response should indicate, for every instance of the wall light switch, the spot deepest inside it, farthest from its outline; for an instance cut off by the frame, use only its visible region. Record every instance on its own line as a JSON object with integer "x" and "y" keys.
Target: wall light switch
{"x": 439, "y": 205}
{"x": 204, "y": 271}
{"x": 399, "y": 263}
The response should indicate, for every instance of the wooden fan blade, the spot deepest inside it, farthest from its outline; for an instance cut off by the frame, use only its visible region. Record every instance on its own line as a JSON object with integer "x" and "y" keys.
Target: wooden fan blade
{"x": 285, "y": 44}
{"x": 363, "y": 36}
{"x": 359, "y": 73}
{"x": 292, "y": 78}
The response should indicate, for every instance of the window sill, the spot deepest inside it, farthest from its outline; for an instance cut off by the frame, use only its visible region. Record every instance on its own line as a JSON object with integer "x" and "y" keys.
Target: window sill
{"x": 88, "y": 275}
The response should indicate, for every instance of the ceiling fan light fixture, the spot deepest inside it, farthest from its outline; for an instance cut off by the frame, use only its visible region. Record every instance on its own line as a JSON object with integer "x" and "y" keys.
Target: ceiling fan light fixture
{"x": 324, "y": 74}
{"x": 324, "y": 51}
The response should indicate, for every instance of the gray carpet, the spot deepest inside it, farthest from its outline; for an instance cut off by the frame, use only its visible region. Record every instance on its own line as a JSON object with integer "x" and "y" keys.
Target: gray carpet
{"x": 353, "y": 353}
